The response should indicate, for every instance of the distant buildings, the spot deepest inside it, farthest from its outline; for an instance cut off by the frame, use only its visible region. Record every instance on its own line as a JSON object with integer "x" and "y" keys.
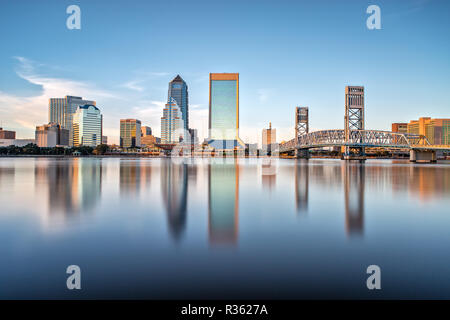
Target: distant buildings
{"x": 62, "y": 110}
{"x": 51, "y": 135}
{"x": 104, "y": 140}
{"x": 4, "y": 134}
{"x": 171, "y": 123}
{"x": 87, "y": 126}
{"x": 269, "y": 139}
{"x": 130, "y": 133}
{"x": 16, "y": 142}
{"x": 400, "y": 127}
{"x": 178, "y": 90}
{"x": 437, "y": 131}
{"x": 224, "y": 111}
{"x": 193, "y": 135}
{"x": 146, "y": 131}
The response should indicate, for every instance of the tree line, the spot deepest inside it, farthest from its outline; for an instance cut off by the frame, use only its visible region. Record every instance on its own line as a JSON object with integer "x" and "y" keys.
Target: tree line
{"x": 33, "y": 149}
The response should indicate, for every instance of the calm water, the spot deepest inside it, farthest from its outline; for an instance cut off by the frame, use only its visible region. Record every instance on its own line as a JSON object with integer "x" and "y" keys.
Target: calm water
{"x": 149, "y": 228}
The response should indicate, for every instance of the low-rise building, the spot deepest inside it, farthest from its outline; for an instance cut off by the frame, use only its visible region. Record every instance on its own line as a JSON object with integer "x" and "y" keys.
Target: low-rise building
{"x": 51, "y": 135}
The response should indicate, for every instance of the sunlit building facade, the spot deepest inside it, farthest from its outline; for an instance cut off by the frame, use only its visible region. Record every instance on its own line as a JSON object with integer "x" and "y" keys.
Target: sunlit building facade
{"x": 87, "y": 126}
{"x": 437, "y": 131}
{"x": 130, "y": 133}
{"x": 400, "y": 127}
{"x": 5, "y": 134}
{"x": 224, "y": 111}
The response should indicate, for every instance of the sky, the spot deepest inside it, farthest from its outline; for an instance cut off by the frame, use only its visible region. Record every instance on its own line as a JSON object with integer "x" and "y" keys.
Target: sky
{"x": 288, "y": 53}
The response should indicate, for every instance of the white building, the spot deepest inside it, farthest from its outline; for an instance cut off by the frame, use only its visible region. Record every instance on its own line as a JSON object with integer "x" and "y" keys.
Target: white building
{"x": 87, "y": 126}
{"x": 171, "y": 123}
{"x": 51, "y": 135}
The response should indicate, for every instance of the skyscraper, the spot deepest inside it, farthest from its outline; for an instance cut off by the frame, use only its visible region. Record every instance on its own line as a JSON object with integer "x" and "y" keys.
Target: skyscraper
{"x": 87, "y": 126}
{"x": 269, "y": 139}
{"x": 171, "y": 123}
{"x": 224, "y": 111}
{"x": 179, "y": 91}
{"x": 61, "y": 111}
{"x": 130, "y": 133}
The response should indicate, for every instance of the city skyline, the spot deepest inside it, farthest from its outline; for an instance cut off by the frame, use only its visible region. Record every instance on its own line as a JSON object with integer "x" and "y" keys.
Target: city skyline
{"x": 394, "y": 64}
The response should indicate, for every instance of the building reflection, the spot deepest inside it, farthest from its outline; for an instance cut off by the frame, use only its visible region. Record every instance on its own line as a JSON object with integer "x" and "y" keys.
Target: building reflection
{"x": 174, "y": 188}
{"x": 134, "y": 177}
{"x": 223, "y": 202}
{"x": 73, "y": 186}
{"x": 268, "y": 174}
{"x": 354, "y": 180}
{"x": 301, "y": 185}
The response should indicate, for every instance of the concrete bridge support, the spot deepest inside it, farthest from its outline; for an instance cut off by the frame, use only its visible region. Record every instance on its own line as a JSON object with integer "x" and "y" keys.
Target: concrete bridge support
{"x": 302, "y": 154}
{"x": 422, "y": 156}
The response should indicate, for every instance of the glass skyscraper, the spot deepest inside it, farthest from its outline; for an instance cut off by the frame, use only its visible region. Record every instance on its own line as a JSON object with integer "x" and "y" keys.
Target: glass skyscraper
{"x": 178, "y": 90}
{"x": 61, "y": 111}
{"x": 87, "y": 126}
{"x": 224, "y": 110}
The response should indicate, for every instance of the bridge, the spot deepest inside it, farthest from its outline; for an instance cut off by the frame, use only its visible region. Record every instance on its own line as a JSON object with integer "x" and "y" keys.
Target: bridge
{"x": 354, "y": 138}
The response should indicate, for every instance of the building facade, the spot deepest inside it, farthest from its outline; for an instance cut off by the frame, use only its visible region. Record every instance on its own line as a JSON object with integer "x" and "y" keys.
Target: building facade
{"x": 51, "y": 135}
{"x": 437, "y": 131}
{"x": 87, "y": 126}
{"x": 130, "y": 133}
{"x": 172, "y": 125}
{"x": 62, "y": 111}
{"x": 146, "y": 131}
{"x": 224, "y": 111}
{"x": 269, "y": 136}
{"x": 5, "y": 134}
{"x": 400, "y": 127}
{"x": 178, "y": 90}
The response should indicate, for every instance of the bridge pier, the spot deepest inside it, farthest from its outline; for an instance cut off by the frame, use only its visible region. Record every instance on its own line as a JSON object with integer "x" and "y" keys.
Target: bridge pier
{"x": 422, "y": 156}
{"x": 302, "y": 154}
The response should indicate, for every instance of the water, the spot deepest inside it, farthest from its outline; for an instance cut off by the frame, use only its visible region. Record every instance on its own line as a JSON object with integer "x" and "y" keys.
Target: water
{"x": 149, "y": 228}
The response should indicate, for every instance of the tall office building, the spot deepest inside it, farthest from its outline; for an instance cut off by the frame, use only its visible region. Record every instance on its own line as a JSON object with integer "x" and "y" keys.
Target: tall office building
{"x": 51, "y": 135}
{"x": 130, "y": 133}
{"x": 87, "y": 126}
{"x": 62, "y": 110}
{"x": 171, "y": 123}
{"x": 224, "y": 111}
{"x": 178, "y": 90}
{"x": 437, "y": 131}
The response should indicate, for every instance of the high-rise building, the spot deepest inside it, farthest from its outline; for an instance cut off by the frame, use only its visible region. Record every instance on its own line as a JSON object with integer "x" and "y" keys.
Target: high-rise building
{"x": 4, "y": 134}
{"x": 51, "y": 135}
{"x": 437, "y": 131}
{"x": 130, "y": 133}
{"x": 224, "y": 111}
{"x": 62, "y": 110}
{"x": 269, "y": 136}
{"x": 146, "y": 131}
{"x": 400, "y": 127}
{"x": 193, "y": 135}
{"x": 171, "y": 123}
{"x": 178, "y": 90}
{"x": 87, "y": 126}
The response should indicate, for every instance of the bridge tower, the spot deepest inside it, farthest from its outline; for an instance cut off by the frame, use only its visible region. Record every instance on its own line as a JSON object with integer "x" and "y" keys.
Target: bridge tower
{"x": 301, "y": 128}
{"x": 354, "y": 120}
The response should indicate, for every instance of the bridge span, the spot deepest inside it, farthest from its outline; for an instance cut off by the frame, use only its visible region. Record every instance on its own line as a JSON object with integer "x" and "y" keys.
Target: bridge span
{"x": 419, "y": 146}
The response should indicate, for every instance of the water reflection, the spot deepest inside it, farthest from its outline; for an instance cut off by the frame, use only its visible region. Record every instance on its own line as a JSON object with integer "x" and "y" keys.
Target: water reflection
{"x": 301, "y": 185}
{"x": 354, "y": 179}
{"x": 223, "y": 202}
{"x": 268, "y": 174}
{"x": 134, "y": 177}
{"x": 72, "y": 187}
{"x": 174, "y": 188}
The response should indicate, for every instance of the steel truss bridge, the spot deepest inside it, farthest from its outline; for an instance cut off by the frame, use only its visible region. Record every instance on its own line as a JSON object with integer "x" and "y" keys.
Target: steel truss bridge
{"x": 358, "y": 139}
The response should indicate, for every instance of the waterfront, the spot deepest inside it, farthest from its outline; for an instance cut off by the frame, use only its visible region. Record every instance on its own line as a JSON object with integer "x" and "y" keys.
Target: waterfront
{"x": 245, "y": 228}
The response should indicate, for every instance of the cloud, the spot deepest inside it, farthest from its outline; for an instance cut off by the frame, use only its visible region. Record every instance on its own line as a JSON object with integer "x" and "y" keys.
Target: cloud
{"x": 24, "y": 113}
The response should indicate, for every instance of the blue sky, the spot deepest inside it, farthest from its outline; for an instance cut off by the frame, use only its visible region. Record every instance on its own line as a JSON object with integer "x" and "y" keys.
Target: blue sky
{"x": 288, "y": 53}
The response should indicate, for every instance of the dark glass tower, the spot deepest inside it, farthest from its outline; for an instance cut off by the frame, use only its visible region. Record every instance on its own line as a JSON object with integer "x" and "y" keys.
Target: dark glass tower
{"x": 178, "y": 90}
